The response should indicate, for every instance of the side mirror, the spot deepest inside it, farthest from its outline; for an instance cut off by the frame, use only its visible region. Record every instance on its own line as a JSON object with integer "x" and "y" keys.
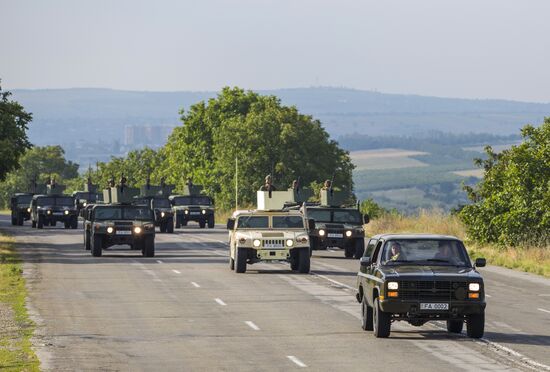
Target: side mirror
{"x": 366, "y": 219}
{"x": 230, "y": 224}
{"x": 364, "y": 261}
{"x": 311, "y": 224}
{"x": 480, "y": 262}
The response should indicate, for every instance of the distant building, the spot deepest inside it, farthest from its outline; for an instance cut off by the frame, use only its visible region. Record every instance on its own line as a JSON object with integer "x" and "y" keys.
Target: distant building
{"x": 146, "y": 135}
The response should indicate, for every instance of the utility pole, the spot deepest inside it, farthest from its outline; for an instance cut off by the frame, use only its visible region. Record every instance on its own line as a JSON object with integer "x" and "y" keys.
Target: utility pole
{"x": 236, "y": 183}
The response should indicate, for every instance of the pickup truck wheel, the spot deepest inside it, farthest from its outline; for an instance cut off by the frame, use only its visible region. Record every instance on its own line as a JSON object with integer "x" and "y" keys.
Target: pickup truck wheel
{"x": 348, "y": 251}
{"x": 366, "y": 318}
{"x": 87, "y": 244}
{"x": 97, "y": 246}
{"x": 240, "y": 260}
{"x": 475, "y": 325}
{"x": 304, "y": 261}
{"x": 381, "y": 321}
{"x": 359, "y": 248}
{"x": 170, "y": 226}
{"x": 148, "y": 247}
{"x": 455, "y": 326}
{"x": 211, "y": 222}
{"x": 40, "y": 223}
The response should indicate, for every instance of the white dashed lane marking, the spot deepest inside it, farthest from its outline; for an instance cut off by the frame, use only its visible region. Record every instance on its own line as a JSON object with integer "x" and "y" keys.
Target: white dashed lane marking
{"x": 296, "y": 361}
{"x": 176, "y": 271}
{"x": 219, "y": 301}
{"x": 252, "y": 325}
{"x": 159, "y": 261}
{"x": 543, "y": 310}
{"x": 195, "y": 285}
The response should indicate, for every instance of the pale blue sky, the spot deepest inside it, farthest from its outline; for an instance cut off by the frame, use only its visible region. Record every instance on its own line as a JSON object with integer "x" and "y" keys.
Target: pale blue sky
{"x": 466, "y": 48}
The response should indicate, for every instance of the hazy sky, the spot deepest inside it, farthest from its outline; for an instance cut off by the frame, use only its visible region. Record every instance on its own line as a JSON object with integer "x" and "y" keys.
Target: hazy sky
{"x": 462, "y": 48}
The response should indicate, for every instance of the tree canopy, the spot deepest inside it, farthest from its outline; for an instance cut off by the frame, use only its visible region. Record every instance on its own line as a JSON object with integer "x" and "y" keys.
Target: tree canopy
{"x": 14, "y": 121}
{"x": 262, "y": 136}
{"x": 511, "y": 205}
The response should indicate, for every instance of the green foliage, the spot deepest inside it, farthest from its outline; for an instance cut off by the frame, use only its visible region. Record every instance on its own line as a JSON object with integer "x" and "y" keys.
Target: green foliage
{"x": 42, "y": 163}
{"x": 13, "y": 133}
{"x": 372, "y": 209}
{"x": 262, "y": 136}
{"x": 511, "y": 205}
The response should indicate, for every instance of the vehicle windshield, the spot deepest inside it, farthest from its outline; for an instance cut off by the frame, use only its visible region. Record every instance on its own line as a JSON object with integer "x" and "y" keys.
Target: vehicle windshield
{"x": 44, "y": 201}
{"x": 122, "y": 213}
{"x": 87, "y": 196}
{"x": 351, "y": 216}
{"x": 192, "y": 200}
{"x": 253, "y": 222}
{"x": 425, "y": 252}
{"x": 161, "y": 203}
{"x": 64, "y": 201}
{"x": 288, "y": 222}
{"x": 24, "y": 199}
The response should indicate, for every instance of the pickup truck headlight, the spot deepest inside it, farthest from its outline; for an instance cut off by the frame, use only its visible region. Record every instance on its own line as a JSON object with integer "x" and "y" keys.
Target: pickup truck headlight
{"x": 256, "y": 242}
{"x": 321, "y": 232}
{"x": 474, "y": 287}
{"x": 348, "y": 233}
{"x": 289, "y": 242}
{"x": 393, "y": 285}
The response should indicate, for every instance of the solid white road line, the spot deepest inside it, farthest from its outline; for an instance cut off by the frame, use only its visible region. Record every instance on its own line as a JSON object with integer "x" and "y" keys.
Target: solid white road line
{"x": 159, "y": 261}
{"x": 219, "y": 301}
{"x": 176, "y": 271}
{"x": 252, "y": 325}
{"x": 543, "y": 310}
{"x": 195, "y": 285}
{"x": 296, "y": 361}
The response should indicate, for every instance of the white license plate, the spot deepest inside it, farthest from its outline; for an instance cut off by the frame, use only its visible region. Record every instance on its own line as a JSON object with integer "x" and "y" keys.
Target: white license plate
{"x": 273, "y": 246}
{"x": 434, "y": 306}
{"x": 335, "y": 235}
{"x": 195, "y": 213}
{"x": 124, "y": 232}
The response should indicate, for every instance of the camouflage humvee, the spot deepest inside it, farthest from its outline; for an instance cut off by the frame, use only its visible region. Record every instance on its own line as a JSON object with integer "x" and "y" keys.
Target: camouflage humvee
{"x": 156, "y": 198}
{"x": 47, "y": 210}
{"x": 269, "y": 234}
{"x": 193, "y": 206}
{"x": 20, "y": 210}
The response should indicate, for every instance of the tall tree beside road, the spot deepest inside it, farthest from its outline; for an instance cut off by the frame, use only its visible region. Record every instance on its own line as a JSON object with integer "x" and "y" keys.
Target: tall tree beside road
{"x": 42, "y": 163}
{"x": 14, "y": 121}
{"x": 511, "y": 205}
{"x": 262, "y": 136}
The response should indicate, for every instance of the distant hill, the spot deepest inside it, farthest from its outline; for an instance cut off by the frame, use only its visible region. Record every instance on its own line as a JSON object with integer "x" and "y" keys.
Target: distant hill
{"x": 69, "y": 115}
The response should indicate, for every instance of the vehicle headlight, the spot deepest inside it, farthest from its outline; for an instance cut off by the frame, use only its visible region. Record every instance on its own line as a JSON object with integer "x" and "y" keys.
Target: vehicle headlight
{"x": 110, "y": 229}
{"x": 289, "y": 242}
{"x": 84, "y": 204}
{"x": 203, "y": 211}
{"x": 66, "y": 212}
{"x": 321, "y": 232}
{"x": 256, "y": 242}
{"x": 393, "y": 285}
{"x": 29, "y": 210}
{"x": 49, "y": 212}
{"x": 348, "y": 233}
{"x": 162, "y": 214}
{"x": 137, "y": 230}
{"x": 186, "y": 211}
{"x": 474, "y": 287}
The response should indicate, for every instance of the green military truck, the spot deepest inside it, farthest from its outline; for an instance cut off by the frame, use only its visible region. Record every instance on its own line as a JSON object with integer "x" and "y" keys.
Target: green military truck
{"x": 156, "y": 198}
{"x": 20, "y": 208}
{"x": 192, "y": 205}
{"x": 47, "y": 210}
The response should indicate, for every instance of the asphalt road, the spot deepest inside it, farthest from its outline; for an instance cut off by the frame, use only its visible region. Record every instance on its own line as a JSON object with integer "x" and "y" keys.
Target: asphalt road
{"x": 185, "y": 310}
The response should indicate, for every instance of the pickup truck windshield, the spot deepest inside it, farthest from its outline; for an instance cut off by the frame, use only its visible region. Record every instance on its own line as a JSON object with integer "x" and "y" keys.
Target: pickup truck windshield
{"x": 425, "y": 252}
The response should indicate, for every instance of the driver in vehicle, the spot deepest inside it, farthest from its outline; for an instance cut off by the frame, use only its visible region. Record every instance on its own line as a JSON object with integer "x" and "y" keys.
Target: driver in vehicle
{"x": 445, "y": 251}
{"x": 395, "y": 253}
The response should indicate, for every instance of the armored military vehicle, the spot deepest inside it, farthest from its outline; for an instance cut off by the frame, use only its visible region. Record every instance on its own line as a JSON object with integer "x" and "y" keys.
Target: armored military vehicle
{"x": 20, "y": 208}
{"x": 48, "y": 209}
{"x": 89, "y": 195}
{"x": 156, "y": 198}
{"x": 335, "y": 224}
{"x": 119, "y": 222}
{"x": 193, "y": 205}
{"x": 269, "y": 234}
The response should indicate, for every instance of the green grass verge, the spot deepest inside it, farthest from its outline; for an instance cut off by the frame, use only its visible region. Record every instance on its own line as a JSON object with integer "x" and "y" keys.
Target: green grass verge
{"x": 16, "y": 328}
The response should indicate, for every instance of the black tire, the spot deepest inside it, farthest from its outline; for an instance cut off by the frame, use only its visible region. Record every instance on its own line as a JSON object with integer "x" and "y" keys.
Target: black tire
{"x": 231, "y": 263}
{"x": 67, "y": 224}
{"x": 294, "y": 260}
{"x": 184, "y": 223}
{"x": 33, "y": 224}
{"x": 211, "y": 222}
{"x": 359, "y": 248}
{"x": 381, "y": 321}
{"x": 475, "y": 325}
{"x": 366, "y": 316}
{"x": 170, "y": 226}
{"x": 148, "y": 246}
{"x": 53, "y": 223}
{"x": 40, "y": 223}
{"x": 177, "y": 222}
{"x": 20, "y": 220}
{"x": 87, "y": 244}
{"x": 97, "y": 246}
{"x": 13, "y": 221}
{"x": 304, "y": 261}
{"x": 74, "y": 222}
{"x": 162, "y": 227}
{"x": 455, "y": 326}
{"x": 348, "y": 251}
{"x": 202, "y": 224}
{"x": 240, "y": 260}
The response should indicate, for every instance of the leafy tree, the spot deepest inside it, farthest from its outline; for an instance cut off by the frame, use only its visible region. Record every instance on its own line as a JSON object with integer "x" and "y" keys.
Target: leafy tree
{"x": 373, "y": 209}
{"x": 511, "y": 205}
{"x": 38, "y": 163}
{"x": 259, "y": 134}
{"x": 13, "y": 133}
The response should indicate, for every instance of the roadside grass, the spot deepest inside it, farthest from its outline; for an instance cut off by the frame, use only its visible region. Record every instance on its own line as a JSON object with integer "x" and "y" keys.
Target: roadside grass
{"x": 5, "y": 211}
{"x": 16, "y": 328}
{"x": 526, "y": 258}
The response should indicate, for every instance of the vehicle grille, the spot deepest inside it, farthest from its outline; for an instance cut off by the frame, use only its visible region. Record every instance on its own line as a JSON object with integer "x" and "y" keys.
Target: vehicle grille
{"x": 334, "y": 226}
{"x": 124, "y": 224}
{"x": 432, "y": 290}
{"x": 273, "y": 243}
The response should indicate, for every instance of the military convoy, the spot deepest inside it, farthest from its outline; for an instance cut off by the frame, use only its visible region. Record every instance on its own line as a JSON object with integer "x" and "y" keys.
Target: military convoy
{"x": 20, "y": 210}
{"x": 53, "y": 207}
{"x": 193, "y": 205}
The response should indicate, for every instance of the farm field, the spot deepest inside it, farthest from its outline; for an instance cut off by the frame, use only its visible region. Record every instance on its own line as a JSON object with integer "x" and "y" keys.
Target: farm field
{"x": 386, "y": 159}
